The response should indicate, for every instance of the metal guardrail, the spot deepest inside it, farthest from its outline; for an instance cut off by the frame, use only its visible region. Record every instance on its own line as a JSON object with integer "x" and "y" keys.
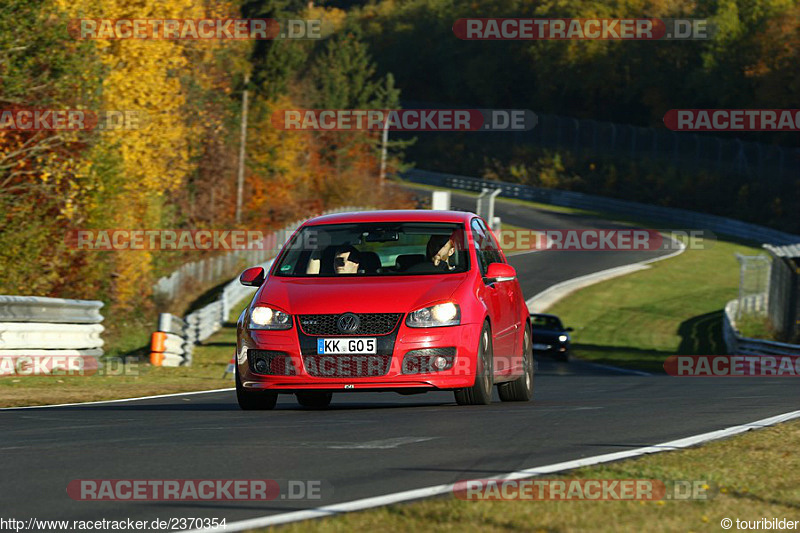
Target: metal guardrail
{"x": 172, "y": 344}
{"x": 169, "y": 323}
{"x": 49, "y": 310}
{"x": 43, "y": 328}
{"x": 738, "y": 345}
{"x": 683, "y": 217}
{"x": 206, "y": 321}
{"x": 213, "y": 268}
{"x": 49, "y": 336}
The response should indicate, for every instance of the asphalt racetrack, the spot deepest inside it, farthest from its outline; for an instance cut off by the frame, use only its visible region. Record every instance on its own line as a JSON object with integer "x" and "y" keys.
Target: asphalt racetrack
{"x": 369, "y": 444}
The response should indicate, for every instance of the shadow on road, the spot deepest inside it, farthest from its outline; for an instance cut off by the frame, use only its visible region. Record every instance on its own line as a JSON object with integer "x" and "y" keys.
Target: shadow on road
{"x": 623, "y": 356}
{"x": 702, "y": 335}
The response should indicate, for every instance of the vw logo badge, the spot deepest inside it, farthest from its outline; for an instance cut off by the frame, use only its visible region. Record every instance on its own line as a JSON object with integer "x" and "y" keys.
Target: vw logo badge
{"x": 348, "y": 322}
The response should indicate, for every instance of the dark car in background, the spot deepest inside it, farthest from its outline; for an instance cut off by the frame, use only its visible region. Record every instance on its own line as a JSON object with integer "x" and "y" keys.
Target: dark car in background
{"x": 550, "y": 337}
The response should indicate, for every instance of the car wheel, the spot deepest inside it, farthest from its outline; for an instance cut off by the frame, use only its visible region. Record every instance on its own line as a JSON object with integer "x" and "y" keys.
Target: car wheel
{"x": 481, "y": 392}
{"x": 254, "y": 401}
{"x": 521, "y": 389}
{"x": 314, "y": 400}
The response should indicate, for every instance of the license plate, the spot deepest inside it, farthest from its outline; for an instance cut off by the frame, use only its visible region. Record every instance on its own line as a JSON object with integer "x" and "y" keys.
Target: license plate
{"x": 541, "y": 346}
{"x": 358, "y": 345}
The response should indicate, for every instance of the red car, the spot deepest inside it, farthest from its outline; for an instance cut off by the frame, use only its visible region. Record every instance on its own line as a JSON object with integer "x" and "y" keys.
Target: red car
{"x": 403, "y": 301}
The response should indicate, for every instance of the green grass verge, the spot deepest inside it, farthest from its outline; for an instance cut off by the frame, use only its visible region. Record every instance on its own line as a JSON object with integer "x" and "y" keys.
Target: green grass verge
{"x": 132, "y": 380}
{"x": 674, "y": 307}
{"x": 755, "y": 327}
{"x": 755, "y": 488}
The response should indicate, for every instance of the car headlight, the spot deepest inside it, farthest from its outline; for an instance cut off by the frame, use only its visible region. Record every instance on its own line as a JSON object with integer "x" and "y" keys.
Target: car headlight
{"x": 446, "y": 314}
{"x": 563, "y": 338}
{"x": 269, "y": 318}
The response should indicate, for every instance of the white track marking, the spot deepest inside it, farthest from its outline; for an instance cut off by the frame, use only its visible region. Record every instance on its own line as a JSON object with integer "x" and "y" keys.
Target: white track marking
{"x": 117, "y": 400}
{"x": 383, "y": 444}
{"x": 438, "y": 490}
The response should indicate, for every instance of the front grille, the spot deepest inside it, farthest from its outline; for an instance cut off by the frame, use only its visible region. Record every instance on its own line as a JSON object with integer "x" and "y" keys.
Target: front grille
{"x": 277, "y": 363}
{"x": 346, "y": 366}
{"x": 370, "y": 324}
{"x": 421, "y": 361}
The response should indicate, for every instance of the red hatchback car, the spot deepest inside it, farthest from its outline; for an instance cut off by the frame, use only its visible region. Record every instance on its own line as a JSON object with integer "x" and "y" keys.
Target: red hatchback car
{"x": 403, "y": 301}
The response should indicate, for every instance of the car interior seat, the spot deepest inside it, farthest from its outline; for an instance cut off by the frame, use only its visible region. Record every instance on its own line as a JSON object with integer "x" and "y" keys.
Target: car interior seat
{"x": 403, "y": 262}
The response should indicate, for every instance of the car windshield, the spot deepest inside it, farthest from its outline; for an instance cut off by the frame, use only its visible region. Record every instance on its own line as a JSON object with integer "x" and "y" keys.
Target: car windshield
{"x": 546, "y": 322}
{"x": 375, "y": 249}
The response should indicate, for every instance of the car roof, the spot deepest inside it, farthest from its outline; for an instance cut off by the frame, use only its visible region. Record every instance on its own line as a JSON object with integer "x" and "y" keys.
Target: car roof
{"x": 396, "y": 215}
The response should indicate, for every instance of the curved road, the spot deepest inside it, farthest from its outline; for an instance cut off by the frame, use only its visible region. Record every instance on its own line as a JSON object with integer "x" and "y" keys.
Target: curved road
{"x": 368, "y": 444}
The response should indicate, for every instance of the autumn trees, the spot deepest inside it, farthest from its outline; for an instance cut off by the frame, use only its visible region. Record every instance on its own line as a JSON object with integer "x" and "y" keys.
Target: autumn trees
{"x": 177, "y": 169}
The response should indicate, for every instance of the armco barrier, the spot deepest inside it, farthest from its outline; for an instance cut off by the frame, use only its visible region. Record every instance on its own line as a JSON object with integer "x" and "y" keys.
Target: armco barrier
{"x": 35, "y": 326}
{"x": 206, "y": 321}
{"x": 172, "y": 344}
{"x": 48, "y": 336}
{"x": 213, "y": 268}
{"x": 49, "y": 310}
{"x": 738, "y": 345}
{"x": 682, "y": 217}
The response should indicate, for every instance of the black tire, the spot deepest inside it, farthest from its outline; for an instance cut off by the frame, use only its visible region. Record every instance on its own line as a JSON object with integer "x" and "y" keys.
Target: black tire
{"x": 254, "y": 401}
{"x": 481, "y": 391}
{"x": 521, "y": 389}
{"x": 314, "y": 400}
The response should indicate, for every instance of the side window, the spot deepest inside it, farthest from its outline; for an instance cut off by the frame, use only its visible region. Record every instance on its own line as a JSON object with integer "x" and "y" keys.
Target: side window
{"x": 479, "y": 236}
{"x": 492, "y": 249}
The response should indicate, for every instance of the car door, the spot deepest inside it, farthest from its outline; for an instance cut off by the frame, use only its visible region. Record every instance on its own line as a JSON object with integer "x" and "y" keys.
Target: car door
{"x": 498, "y": 297}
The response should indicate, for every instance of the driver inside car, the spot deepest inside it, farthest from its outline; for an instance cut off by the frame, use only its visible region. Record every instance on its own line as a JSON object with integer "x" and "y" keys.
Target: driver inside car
{"x": 440, "y": 251}
{"x": 346, "y": 260}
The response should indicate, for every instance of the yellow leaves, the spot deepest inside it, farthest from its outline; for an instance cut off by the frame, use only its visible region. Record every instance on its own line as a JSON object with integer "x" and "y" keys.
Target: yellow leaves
{"x": 143, "y": 75}
{"x": 332, "y": 18}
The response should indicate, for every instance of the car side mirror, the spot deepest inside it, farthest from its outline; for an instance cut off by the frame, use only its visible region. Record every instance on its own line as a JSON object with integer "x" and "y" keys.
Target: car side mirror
{"x": 570, "y": 329}
{"x": 253, "y": 277}
{"x": 500, "y": 272}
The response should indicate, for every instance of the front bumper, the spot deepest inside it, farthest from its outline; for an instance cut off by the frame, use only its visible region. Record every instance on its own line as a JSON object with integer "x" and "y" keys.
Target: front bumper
{"x": 555, "y": 349}
{"x": 305, "y": 376}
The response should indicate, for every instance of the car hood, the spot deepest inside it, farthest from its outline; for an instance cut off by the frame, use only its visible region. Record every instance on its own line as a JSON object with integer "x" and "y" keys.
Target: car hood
{"x": 329, "y": 295}
{"x": 547, "y": 334}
